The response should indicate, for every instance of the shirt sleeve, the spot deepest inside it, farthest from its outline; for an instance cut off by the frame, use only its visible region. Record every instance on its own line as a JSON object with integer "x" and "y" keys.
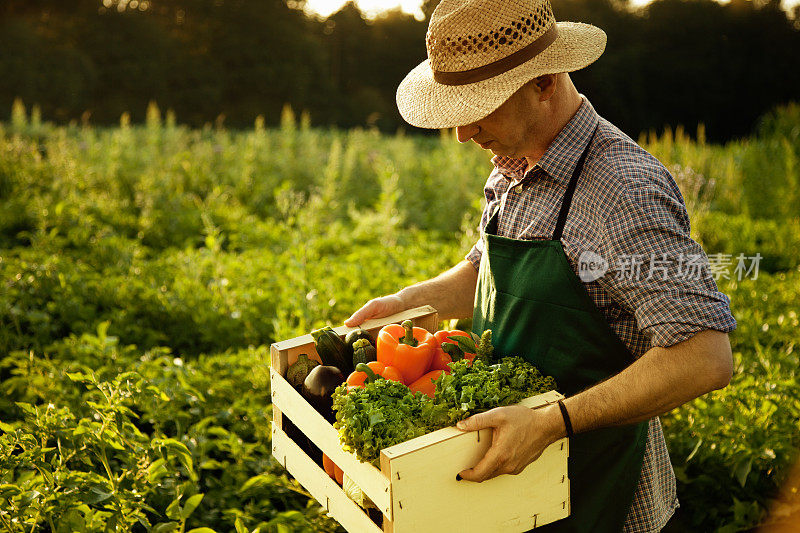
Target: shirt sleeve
{"x": 490, "y": 193}
{"x": 657, "y": 272}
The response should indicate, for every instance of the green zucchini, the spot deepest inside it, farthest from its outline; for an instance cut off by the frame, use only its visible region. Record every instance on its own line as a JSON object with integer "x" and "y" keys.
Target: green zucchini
{"x": 358, "y": 334}
{"x": 332, "y": 349}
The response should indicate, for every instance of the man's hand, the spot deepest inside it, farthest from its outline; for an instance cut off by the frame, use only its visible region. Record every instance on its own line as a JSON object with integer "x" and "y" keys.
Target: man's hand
{"x": 519, "y": 437}
{"x": 377, "y": 308}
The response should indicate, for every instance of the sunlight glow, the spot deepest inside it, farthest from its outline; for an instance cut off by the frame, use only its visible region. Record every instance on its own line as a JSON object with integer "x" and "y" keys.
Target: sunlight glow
{"x": 370, "y": 8}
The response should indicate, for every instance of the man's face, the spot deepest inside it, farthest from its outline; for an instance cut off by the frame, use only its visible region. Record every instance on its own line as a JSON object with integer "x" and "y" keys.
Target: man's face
{"x": 513, "y": 129}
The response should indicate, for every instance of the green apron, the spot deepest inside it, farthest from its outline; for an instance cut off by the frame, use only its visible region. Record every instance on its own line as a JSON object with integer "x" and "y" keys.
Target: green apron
{"x": 536, "y": 307}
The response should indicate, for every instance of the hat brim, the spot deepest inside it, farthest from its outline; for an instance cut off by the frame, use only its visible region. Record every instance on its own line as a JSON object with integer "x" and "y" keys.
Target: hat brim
{"x": 425, "y": 103}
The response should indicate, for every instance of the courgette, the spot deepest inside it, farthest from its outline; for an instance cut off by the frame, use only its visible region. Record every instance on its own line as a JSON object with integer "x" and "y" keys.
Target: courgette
{"x": 332, "y": 350}
{"x": 356, "y": 335}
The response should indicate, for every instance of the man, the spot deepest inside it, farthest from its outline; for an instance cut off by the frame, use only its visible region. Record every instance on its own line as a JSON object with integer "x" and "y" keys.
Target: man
{"x": 585, "y": 265}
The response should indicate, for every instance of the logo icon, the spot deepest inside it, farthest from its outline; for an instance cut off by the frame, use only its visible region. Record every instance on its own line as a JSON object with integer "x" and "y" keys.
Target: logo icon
{"x": 591, "y": 266}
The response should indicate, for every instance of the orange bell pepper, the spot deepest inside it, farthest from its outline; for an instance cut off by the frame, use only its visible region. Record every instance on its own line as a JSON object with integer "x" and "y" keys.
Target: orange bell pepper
{"x": 332, "y": 470}
{"x": 408, "y": 349}
{"x": 426, "y": 384}
{"x": 370, "y": 372}
{"x": 328, "y": 465}
{"x": 445, "y": 347}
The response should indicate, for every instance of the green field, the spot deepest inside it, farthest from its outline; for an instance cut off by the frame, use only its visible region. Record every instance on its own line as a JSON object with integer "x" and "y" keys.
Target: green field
{"x": 147, "y": 268}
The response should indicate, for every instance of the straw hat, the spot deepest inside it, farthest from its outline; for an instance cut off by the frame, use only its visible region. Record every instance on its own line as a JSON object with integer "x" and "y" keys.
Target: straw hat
{"x": 481, "y": 51}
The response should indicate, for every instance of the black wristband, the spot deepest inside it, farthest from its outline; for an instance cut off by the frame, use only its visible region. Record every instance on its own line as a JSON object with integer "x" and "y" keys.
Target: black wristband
{"x": 565, "y": 414}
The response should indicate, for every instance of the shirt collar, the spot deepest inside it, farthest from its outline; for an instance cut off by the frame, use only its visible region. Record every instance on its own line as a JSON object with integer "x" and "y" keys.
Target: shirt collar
{"x": 562, "y": 155}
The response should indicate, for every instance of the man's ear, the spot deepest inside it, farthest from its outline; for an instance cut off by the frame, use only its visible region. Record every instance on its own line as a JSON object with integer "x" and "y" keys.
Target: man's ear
{"x": 545, "y": 86}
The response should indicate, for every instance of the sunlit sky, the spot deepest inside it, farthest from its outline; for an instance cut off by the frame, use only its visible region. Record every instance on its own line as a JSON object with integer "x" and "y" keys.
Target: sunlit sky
{"x": 373, "y": 7}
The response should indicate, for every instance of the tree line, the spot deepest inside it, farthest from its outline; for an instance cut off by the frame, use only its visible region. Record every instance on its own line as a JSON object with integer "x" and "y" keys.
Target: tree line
{"x": 673, "y": 62}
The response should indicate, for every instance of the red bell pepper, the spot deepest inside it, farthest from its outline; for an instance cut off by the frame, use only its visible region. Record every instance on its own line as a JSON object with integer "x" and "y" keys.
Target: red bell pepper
{"x": 447, "y": 348}
{"x": 426, "y": 384}
{"x": 406, "y": 348}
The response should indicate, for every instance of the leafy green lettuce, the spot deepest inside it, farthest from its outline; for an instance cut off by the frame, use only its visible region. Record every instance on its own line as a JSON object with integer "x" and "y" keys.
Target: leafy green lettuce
{"x": 385, "y": 413}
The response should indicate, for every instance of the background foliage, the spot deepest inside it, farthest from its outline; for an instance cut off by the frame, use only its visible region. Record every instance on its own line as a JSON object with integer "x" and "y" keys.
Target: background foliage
{"x": 146, "y": 269}
{"x": 673, "y": 62}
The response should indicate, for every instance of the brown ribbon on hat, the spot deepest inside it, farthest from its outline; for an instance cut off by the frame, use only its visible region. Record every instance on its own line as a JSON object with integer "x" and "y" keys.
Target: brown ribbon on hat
{"x": 463, "y": 77}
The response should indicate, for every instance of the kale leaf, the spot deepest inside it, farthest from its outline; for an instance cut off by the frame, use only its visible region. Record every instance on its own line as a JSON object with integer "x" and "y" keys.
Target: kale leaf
{"x": 385, "y": 413}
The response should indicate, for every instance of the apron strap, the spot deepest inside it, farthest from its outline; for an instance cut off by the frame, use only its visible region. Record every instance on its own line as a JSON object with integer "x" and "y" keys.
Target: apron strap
{"x": 567, "y": 200}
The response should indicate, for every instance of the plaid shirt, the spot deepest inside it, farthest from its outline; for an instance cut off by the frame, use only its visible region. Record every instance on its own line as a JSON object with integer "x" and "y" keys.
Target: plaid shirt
{"x": 628, "y": 210}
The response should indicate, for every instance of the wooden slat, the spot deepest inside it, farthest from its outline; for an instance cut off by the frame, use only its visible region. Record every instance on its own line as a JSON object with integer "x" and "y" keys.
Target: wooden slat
{"x": 320, "y": 485}
{"x": 374, "y": 484}
{"x": 371, "y": 324}
{"x": 533, "y": 402}
{"x": 424, "y": 484}
{"x": 540, "y": 400}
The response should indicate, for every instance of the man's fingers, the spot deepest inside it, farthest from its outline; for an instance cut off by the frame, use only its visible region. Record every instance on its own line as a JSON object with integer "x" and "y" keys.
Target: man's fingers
{"x": 357, "y": 318}
{"x": 376, "y": 308}
{"x": 489, "y": 419}
{"x": 485, "y": 469}
{"x": 370, "y": 309}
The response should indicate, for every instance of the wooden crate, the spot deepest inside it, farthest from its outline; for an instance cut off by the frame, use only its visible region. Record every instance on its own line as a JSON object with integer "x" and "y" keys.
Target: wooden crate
{"x": 415, "y": 488}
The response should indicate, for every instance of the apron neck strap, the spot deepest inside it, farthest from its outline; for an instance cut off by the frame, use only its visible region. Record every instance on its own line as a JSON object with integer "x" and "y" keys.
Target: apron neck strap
{"x": 567, "y": 200}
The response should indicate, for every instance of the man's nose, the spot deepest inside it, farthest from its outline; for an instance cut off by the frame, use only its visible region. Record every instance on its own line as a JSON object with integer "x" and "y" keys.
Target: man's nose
{"x": 465, "y": 133}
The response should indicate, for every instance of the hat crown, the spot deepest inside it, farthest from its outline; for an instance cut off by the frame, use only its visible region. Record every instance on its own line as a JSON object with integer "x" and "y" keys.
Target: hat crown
{"x": 464, "y": 35}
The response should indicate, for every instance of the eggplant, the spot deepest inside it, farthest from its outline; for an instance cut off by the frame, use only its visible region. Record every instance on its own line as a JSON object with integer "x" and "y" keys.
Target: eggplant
{"x": 318, "y": 389}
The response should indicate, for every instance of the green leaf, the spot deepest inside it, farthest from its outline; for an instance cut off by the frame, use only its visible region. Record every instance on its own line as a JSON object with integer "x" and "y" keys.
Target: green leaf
{"x": 742, "y": 470}
{"x": 7, "y": 490}
{"x": 157, "y": 470}
{"x": 165, "y": 527}
{"x": 240, "y": 527}
{"x": 466, "y": 344}
{"x": 102, "y": 329}
{"x": 694, "y": 450}
{"x": 77, "y": 376}
{"x": 26, "y": 408}
{"x": 97, "y": 495}
{"x": 174, "y": 510}
{"x": 201, "y": 530}
{"x": 71, "y": 521}
{"x": 179, "y": 449}
{"x": 191, "y": 504}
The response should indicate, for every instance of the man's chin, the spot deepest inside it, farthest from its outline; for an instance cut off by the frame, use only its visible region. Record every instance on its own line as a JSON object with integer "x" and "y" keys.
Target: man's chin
{"x": 499, "y": 150}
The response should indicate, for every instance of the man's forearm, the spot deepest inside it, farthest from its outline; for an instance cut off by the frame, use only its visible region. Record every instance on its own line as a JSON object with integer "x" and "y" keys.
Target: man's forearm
{"x": 659, "y": 381}
{"x": 452, "y": 293}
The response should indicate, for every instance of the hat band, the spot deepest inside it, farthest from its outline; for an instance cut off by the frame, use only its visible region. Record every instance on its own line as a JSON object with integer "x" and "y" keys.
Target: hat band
{"x": 484, "y": 72}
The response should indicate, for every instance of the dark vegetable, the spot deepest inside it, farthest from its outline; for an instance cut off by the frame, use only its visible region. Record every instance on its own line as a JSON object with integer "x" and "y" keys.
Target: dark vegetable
{"x": 318, "y": 389}
{"x": 332, "y": 349}
{"x": 297, "y": 372}
{"x": 356, "y": 335}
{"x": 294, "y": 433}
{"x": 364, "y": 352}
